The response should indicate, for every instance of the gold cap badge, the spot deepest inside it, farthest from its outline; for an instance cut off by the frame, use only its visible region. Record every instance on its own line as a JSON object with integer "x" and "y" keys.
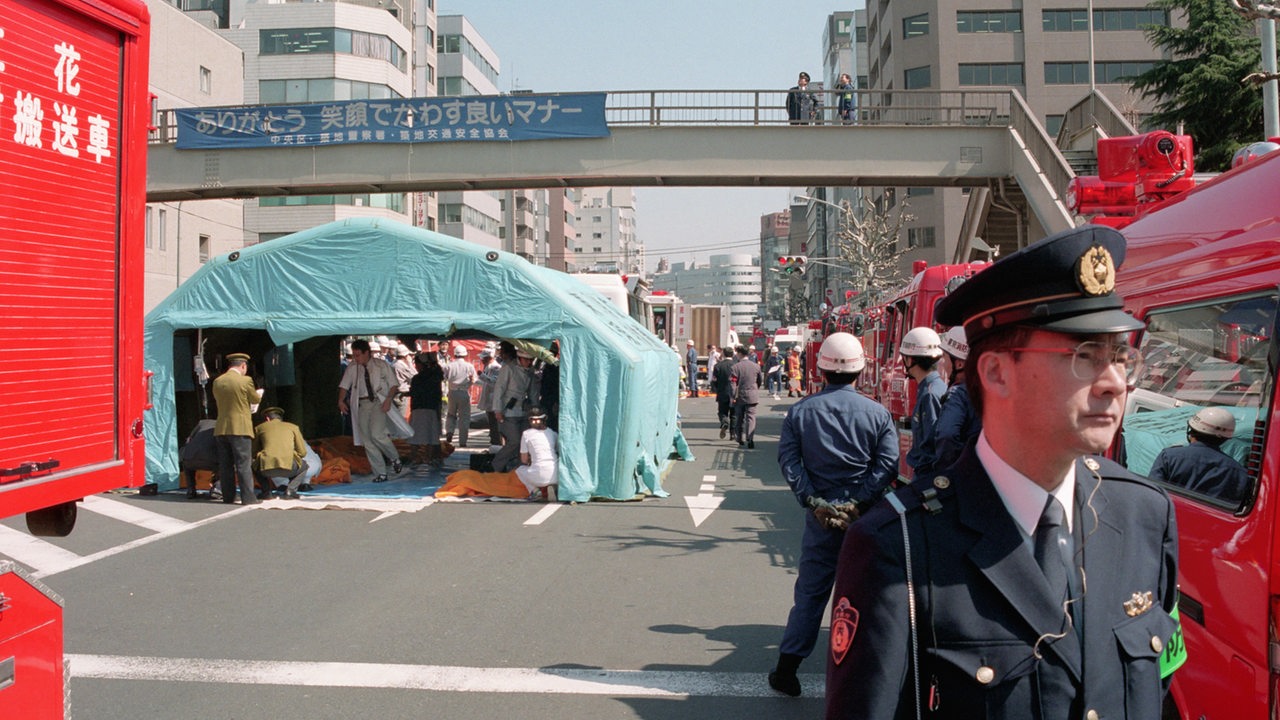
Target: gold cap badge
{"x": 1096, "y": 271}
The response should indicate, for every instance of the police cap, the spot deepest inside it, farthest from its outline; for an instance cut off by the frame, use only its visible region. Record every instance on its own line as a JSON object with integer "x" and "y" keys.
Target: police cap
{"x": 238, "y": 357}
{"x": 1064, "y": 283}
{"x": 273, "y": 410}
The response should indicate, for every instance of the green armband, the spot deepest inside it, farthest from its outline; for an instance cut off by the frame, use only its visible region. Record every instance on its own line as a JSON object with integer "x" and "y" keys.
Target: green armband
{"x": 1175, "y": 651}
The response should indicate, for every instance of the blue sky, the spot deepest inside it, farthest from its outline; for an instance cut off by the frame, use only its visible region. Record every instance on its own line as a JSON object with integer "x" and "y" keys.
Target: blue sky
{"x": 580, "y": 45}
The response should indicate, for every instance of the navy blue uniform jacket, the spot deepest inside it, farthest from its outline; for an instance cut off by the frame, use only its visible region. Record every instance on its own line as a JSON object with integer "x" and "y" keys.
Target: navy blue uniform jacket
{"x": 982, "y": 603}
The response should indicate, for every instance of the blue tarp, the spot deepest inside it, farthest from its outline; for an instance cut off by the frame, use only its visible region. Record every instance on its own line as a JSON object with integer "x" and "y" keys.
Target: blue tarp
{"x": 619, "y": 383}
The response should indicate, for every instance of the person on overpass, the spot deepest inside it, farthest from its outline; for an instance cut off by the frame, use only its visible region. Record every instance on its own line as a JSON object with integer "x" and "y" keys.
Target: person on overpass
{"x": 804, "y": 106}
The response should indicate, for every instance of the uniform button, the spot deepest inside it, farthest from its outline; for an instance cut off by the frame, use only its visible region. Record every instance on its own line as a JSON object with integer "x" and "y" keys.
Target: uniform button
{"x": 985, "y": 675}
{"x": 1091, "y": 715}
{"x": 1156, "y": 644}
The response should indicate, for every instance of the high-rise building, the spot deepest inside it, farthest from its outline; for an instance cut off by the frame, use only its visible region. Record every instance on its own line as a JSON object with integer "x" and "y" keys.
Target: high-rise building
{"x": 605, "y": 231}
{"x": 1043, "y": 48}
{"x": 732, "y": 280}
{"x": 775, "y": 241}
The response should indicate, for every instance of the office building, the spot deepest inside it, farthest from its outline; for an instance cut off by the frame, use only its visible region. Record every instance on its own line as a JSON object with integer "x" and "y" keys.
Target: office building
{"x": 732, "y": 280}
{"x": 1043, "y": 49}
{"x": 605, "y": 231}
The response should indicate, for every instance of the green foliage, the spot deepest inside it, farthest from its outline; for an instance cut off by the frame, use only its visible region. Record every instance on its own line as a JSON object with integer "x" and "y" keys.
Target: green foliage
{"x": 1201, "y": 86}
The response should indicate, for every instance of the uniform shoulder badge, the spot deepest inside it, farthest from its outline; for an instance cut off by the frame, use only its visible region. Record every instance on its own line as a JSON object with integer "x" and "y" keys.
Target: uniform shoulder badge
{"x": 1096, "y": 271}
{"x": 844, "y": 625}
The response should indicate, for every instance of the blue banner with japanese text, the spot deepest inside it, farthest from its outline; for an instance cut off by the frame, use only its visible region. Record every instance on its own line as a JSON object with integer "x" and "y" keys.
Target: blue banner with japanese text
{"x": 400, "y": 120}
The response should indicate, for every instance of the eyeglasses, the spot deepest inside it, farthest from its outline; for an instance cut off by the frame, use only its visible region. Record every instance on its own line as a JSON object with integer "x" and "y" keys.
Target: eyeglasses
{"x": 1091, "y": 358}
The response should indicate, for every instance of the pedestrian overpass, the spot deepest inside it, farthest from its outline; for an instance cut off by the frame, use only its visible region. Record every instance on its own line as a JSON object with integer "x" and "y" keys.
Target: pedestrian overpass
{"x": 988, "y": 140}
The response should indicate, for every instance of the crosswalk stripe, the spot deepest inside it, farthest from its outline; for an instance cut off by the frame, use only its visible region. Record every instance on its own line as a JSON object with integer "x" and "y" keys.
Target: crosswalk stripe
{"x": 32, "y": 551}
{"x": 444, "y": 678}
{"x": 134, "y": 515}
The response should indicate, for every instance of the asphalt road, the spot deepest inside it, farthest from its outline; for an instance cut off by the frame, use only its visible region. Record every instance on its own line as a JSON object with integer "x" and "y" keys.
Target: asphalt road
{"x": 193, "y": 609}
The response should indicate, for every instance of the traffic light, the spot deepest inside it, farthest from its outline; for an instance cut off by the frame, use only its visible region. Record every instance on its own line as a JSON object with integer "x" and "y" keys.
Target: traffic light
{"x": 791, "y": 263}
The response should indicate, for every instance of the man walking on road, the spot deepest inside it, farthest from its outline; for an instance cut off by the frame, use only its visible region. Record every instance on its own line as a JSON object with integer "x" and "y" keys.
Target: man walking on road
{"x": 370, "y": 384}
{"x": 747, "y": 380}
{"x": 838, "y": 452}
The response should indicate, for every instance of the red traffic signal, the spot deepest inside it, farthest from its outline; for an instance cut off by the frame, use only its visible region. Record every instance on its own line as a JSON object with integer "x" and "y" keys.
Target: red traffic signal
{"x": 792, "y": 263}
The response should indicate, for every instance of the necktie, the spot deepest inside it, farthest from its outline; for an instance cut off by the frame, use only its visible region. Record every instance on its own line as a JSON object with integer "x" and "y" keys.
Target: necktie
{"x": 1051, "y": 547}
{"x": 368, "y": 384}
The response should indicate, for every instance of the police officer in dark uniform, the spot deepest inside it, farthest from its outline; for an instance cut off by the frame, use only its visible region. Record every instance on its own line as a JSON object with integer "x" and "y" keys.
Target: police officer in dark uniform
{"x": 838, "y": 451}
{"x": 1032, "y": 579}
{"x": 1201, "y": 465}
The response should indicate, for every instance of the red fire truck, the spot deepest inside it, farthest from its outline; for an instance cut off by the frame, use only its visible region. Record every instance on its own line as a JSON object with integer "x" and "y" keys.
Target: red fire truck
{"x": 73, "y": 82}
{"x": 73, "y": 85}
{"x": 884, "y": 378}
{"x": 1203, "y": 270}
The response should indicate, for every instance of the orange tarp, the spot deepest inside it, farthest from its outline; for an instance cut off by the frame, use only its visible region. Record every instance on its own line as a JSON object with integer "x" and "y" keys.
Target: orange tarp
{"x": 472, "y": 483}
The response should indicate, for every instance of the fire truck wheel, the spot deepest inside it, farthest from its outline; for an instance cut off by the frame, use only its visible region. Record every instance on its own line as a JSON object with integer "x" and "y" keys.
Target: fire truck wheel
{"x": 55, "y": 521}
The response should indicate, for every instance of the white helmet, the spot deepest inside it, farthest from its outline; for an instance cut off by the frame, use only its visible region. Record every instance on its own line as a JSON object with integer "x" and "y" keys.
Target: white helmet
{"x": 841, "y": 352}
{"x": 955, "y": 343}
{"x": 921, "y": 342}
{"x": 1213, "y": 421}
{"x": 459, "y": 351}
{"x": 774, "y": 349}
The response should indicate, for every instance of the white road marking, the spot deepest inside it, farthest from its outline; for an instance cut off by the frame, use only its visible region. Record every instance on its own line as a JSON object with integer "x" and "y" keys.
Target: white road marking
{"x": 705, "y": 502}
{"x": 442, "y": 678}
{"x": 545, "y": 512}
{"x": 133, "y": 515}
{"x": 45, "y": 569}
{"x": 32, "y": 551}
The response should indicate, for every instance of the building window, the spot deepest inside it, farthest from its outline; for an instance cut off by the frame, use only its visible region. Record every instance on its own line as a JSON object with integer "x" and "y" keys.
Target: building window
{"x": 289, "y": 41}
{"x": 1066, "y": 73}
{"x": 917, "y": 78}
{"x": 989, "y": 21}
{"x": 452, "y": 44}
{"x": 1121, "y": 72}
{"x": 147, "y": 230}
{"x": 991, "y": 74}
{"x": 206, "y": 80}
{"x": 1053, "y": 123}
{"x": 321, "y": 90}
{"x": 386, "y": 201}
{"x": 204, "y": 249}
{"x": 919, "y": 191}
{"x": 160, "y": 223}
{"x": 920, "y": 237}
{"x": 1104, "y": 20}
{"x": 915, "y": 26}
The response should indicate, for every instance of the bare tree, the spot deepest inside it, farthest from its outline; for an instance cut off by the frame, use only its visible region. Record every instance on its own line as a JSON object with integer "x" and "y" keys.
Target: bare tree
{"x": 867, "y": 245}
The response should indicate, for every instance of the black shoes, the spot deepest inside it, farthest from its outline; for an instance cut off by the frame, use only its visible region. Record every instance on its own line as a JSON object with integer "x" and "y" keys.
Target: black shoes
{"x": 724, "y": 430}
{"x": 751, "y": 444}
{"x": 396, "y": 466}
{"x": 380, "y": 478}
{"x": 784, "y": 683}
{"x": 290, "y": 495}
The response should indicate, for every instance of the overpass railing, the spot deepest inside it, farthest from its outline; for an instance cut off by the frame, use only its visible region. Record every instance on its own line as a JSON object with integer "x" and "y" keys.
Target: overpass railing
{"x": 657, "y": 108}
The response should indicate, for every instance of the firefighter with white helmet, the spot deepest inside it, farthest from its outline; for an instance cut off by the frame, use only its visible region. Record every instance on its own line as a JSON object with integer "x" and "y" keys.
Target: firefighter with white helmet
{"x": 1201, "y": 465}
{"x": 920, "y": 350}
{"x": 459, "y": 376}
{"x": 958, "y": 422}
{"x": 838, "y": 451}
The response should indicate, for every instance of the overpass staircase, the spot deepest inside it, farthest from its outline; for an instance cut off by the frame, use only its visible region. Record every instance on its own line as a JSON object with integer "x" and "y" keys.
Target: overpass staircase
{"x": 1003, "y": 212}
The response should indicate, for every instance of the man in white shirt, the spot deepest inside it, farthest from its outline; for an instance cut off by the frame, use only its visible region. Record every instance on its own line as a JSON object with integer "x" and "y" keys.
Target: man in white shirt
{"x": 370, "y": 385}
{"x": 460, "y": 374}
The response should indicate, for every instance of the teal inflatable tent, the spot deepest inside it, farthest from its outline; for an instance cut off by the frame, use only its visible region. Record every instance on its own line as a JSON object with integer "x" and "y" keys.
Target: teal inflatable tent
{"x": 619, "y": 383}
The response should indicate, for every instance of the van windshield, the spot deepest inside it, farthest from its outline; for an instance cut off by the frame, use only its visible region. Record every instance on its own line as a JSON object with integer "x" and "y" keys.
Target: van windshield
{"x": 1220, "y": 356}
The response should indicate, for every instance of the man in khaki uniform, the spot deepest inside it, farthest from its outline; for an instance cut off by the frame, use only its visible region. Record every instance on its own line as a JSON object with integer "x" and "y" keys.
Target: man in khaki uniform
{"x": 279, "y": 451}
{"x": 236, "y": 397}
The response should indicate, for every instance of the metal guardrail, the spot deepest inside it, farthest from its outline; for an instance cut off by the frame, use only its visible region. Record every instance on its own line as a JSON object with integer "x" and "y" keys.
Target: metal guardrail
{"x": 1094, "y": 110}
{"x": 656, "y": 108}
{"x": 1052, "y": 163}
